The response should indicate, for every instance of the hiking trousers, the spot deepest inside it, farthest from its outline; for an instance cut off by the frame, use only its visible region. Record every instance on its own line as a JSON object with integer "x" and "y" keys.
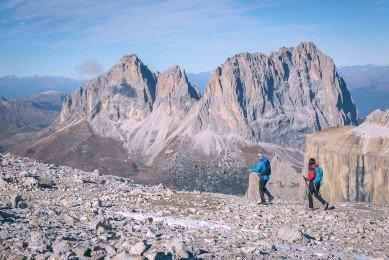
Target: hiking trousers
{"x": 314, "y": 191}
{"x": 263, "y": 191}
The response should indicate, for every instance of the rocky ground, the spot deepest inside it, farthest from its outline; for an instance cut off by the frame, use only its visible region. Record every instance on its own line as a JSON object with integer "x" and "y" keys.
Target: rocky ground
{"x": 55, "y": 212}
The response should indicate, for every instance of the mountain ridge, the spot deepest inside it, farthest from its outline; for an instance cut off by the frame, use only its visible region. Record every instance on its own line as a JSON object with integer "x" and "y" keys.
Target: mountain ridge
{"x": 253, "y": 102}
{"x": 21, "y": 87}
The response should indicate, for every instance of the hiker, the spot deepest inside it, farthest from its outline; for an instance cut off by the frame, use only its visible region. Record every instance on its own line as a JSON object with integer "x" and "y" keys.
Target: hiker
{"x": 315, "y": 175}
{"x": 262, "y": 168}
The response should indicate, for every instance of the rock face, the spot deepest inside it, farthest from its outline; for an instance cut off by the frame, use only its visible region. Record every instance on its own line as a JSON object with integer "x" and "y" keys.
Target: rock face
{"x": 113, "y": 104}
{"x": 355, "y": 160}
{"x": 90, "y": 215}
{"x": 252, "y": 103}
{"x": 174, "y": 98}
{"x": 276, "y": 98}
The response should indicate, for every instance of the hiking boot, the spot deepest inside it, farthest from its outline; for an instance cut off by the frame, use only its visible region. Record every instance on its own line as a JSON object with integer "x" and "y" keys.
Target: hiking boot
{"x": 271, "y": 198}
{"x": 326, "y": 206}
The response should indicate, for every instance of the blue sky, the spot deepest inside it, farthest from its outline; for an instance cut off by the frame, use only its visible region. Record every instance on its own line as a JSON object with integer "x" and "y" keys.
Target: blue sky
{"x": 80, "y": 38}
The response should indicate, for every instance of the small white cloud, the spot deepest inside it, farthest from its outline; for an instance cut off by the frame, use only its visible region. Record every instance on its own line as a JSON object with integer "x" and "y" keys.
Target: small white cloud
{"x": 90, "y": 68}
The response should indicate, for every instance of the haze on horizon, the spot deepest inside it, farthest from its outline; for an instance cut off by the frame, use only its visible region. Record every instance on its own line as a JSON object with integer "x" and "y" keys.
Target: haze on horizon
{"x": 80, "y": 39}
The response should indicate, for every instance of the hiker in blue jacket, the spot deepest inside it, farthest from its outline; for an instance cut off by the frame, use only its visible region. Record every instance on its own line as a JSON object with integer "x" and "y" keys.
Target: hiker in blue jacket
{"x": 263, "y": 169}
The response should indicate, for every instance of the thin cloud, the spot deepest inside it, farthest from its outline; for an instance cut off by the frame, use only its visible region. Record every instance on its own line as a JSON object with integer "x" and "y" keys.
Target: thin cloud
{"x": 74, "y": 22}
{"x": 90, "y": 68}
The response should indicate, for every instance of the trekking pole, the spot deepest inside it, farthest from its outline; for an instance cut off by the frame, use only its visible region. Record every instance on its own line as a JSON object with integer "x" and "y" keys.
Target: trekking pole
{"x": 307, "y": 189}
{"x": 305, "y": 181}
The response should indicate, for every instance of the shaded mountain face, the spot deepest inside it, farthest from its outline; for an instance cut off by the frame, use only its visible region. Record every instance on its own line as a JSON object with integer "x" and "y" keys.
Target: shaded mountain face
{"x": 22, "y": 87}
{"x": 253, "y": 102}
{"x": 369, "y": 86}
{"x": 132, "y": 105}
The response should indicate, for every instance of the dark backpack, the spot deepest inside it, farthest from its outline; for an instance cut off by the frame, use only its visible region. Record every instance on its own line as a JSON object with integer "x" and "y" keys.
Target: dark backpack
{"x": 267, "y": 169}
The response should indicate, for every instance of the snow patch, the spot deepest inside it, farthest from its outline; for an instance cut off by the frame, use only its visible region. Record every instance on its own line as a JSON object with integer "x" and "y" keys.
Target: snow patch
{"x": 367, "y": 130}
{"x": 49, "y": 92}
{"x": 173, "y": 221}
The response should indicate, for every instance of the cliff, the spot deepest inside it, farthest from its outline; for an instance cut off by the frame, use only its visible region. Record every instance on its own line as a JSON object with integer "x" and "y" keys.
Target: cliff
{"x": 354, "y": 159}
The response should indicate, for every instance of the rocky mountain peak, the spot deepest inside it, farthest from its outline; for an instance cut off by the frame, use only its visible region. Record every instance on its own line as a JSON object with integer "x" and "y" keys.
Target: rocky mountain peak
{"x": 173, "y": 84}
{"x": 129, "y": 60}
{"x": 309, "y": 47}
{"x": 278, "y": 97}
{"x": 130, "y": 70}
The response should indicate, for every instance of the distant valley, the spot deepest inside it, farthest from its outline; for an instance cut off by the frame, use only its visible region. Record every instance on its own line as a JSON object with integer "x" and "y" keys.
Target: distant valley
{"x": 21, "y": 118}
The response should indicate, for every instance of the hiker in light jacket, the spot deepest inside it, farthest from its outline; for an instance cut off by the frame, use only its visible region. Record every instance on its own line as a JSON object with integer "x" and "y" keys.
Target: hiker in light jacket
{"x": 315, "y": 175}
{"x": 263, "y": 169}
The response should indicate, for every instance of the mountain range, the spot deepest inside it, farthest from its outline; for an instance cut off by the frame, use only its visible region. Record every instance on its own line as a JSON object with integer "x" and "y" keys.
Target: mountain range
{"x": 158, "y": 128}
{"x": 368, "y": 84}
{"x": 21, "y": 87}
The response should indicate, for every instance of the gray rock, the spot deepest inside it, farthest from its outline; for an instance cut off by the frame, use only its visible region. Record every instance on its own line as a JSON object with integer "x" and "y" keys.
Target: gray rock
{"x": 29, "y": 182}
{"x": 82, "y": 251}
{"x": 15, "y": 200}
{"x": 126, "y": 256}
{"x": 179, "y": 248}
{"x": 61, "y": 246}
{"x": 193, "y": 224}
{"x": 289, "y": 235}
{"x": 139, "y": 248}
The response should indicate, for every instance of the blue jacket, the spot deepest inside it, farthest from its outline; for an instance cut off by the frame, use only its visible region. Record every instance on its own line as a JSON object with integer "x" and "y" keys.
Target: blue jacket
{"x": 259, "y": 167}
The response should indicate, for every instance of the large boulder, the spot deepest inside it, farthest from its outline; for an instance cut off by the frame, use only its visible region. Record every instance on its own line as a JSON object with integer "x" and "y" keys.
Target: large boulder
{"x": 354, "y": 159}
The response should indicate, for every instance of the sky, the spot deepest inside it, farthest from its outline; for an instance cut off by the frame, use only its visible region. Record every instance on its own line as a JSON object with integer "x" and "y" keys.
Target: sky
{"x": 84, "y": 38}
